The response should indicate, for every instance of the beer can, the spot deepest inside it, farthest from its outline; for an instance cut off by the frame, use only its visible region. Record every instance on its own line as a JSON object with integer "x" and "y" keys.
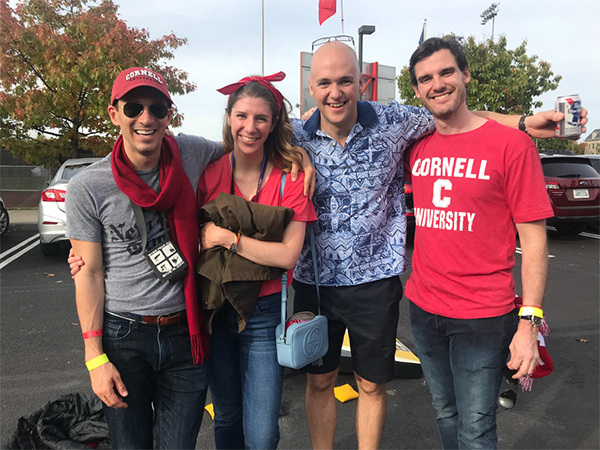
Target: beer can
{"x": 570, "y": 126}
{"x": 299, "y": 317}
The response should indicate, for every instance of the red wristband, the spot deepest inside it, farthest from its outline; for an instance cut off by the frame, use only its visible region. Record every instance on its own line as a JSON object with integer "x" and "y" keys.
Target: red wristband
{"x": 93, "y": 333}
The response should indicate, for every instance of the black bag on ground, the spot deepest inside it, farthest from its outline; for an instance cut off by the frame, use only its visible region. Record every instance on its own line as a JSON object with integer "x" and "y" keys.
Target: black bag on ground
{"x": 73, "y": 421}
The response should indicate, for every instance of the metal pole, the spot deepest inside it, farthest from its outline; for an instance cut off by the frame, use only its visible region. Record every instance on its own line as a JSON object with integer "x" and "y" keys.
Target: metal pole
{"x": 493, "y": 24}
{"x": 360, "y": 53}
{"x": 360, "y": 62}
{"x": 342, "y": 7}
{"x": 365, "y": 29}
{"x": 262, "y": 38}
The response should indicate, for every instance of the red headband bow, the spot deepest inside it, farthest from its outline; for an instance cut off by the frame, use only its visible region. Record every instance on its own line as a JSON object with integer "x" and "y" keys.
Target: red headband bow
{"x": 265, "y": 81}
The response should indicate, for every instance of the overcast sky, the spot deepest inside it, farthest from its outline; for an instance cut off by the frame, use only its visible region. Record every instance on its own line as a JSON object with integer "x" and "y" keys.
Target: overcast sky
{"x": 224, "y": 41}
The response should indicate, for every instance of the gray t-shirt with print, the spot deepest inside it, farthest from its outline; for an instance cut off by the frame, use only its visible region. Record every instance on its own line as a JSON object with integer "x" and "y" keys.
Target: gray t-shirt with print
{"x": 97, "y": 211}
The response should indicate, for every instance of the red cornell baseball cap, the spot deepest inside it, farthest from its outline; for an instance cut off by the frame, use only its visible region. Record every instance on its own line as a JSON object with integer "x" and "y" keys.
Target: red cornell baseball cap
{"x": 135, "y": 77}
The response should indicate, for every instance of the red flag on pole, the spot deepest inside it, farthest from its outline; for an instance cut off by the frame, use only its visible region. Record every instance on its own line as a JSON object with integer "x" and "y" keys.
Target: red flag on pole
{"x": 326, "y": 10}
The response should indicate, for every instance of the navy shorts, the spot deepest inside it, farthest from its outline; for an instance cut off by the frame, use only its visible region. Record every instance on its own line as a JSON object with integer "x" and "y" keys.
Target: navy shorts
{"x": 370, "y": 313}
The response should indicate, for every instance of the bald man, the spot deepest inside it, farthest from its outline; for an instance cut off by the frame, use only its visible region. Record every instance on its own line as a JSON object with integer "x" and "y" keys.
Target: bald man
{"x": 357, "y": 149}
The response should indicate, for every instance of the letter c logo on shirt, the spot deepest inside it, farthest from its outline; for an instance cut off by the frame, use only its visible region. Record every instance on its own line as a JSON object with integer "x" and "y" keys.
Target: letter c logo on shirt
{"x": 438, "y": 186}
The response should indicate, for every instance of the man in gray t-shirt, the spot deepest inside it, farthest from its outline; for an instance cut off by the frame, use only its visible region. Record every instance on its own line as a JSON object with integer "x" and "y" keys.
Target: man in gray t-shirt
{"x": 144, "y": 338}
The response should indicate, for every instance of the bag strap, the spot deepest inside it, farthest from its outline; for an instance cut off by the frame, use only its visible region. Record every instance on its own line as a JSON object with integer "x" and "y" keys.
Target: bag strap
{"x": 313, "y": 250}
{"x": 283, "y": 277}
{"x": 141, "y": 223}
{"x": 311, "y": 235}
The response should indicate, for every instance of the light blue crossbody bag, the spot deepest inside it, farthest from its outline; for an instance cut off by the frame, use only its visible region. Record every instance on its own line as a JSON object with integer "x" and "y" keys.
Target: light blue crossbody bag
{"x": 305, "y": 342}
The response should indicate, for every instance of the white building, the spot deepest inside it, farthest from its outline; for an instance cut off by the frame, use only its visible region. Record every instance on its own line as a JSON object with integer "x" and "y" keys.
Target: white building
{"x": 592, "y": 143}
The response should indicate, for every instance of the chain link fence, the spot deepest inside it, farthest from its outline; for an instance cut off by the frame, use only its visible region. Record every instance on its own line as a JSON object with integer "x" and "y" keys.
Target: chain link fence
{"x": 21, "y": 186}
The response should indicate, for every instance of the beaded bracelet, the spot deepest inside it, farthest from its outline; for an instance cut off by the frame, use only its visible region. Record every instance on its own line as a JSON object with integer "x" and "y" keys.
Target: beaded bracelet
{"x": 236, "y": 241}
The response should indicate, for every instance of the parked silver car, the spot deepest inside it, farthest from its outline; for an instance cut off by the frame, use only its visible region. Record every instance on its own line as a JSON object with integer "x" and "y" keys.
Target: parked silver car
{"x": 52, "y": 219}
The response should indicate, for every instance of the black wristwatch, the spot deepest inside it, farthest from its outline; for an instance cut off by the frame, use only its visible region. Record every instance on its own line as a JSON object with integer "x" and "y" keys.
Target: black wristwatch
{"x": 522, "y": 126}
{"x": 535, "y": 320}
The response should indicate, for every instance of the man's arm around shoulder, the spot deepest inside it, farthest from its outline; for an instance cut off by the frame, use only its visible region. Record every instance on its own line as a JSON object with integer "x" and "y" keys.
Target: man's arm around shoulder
{"x": 534, "y": 269}
{"x": 89, "y": 295}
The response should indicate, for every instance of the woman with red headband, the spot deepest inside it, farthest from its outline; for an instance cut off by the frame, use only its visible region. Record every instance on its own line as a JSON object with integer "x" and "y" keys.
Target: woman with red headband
{"x": 246, "y": 380}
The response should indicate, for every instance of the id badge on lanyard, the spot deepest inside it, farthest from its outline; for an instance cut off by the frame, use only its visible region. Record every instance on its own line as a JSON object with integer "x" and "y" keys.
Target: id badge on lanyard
{"x": 260, "y": 178}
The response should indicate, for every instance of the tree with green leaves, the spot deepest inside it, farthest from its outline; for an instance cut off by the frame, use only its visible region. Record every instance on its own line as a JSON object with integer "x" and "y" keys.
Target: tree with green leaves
{"x": 554, "y": 144}
{"x": 59, "y": 59}
{"x": 502, "y": 80}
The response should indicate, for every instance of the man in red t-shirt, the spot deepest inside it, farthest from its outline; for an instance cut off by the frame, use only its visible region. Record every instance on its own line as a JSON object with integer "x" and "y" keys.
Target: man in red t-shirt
{"x": 475, "y": 184}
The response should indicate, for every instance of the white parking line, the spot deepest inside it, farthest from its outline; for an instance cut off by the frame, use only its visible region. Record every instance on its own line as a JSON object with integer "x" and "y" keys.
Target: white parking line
{"x": 583, "y": 233}
{"x": 17, "y": 247}
{"x": 21, "y": 253}
{"x": 518, "y": 250}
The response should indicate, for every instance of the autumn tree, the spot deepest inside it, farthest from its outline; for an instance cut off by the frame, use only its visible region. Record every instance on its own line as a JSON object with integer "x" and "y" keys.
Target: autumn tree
{"x": 59, "y": 59}
{"x": 502, "y": 80}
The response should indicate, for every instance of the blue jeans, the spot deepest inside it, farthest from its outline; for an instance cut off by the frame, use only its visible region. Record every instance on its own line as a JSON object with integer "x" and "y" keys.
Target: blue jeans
{"x": 167, "y": 391}
{"x": 462, "y": 361}
{"x": 246, "y": 380}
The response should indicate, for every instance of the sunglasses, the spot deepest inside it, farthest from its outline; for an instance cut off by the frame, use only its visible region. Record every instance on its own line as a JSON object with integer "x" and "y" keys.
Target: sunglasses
{"x": 133, "y": 110}
{"x": 341, "y": 38}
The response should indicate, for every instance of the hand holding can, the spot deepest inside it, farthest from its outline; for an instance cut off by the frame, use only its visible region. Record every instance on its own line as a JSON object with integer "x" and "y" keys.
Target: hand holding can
{"x": 570, "y": 126}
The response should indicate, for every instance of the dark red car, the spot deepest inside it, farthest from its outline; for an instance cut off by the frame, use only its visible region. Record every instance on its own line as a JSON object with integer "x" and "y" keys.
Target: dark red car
{"x": 573, "y": 186}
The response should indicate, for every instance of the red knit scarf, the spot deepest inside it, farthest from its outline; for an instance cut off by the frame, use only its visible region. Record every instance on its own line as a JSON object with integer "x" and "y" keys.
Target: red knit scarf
{"x": 176, "y": 198}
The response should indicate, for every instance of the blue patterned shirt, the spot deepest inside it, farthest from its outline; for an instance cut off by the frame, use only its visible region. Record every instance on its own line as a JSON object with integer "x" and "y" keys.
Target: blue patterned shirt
{"x": 360, "y": 234}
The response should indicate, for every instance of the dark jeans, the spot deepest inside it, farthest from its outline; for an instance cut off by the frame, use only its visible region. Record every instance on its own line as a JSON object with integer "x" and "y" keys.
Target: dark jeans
{"x": 462, "y": 360}
{"x": 246, "y": 381}
{"x": 167, "y": 391}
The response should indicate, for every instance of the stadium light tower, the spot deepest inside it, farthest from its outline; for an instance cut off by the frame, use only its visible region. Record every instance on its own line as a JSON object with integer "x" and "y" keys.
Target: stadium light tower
{"x": 488, "y": 14}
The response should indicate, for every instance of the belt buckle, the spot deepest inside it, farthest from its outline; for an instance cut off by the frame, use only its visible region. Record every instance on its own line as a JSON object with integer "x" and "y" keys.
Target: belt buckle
{"x": 166, "y": 317}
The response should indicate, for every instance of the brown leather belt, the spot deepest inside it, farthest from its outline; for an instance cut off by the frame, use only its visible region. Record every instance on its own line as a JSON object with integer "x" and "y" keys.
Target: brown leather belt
{"x": 162, "y": 320}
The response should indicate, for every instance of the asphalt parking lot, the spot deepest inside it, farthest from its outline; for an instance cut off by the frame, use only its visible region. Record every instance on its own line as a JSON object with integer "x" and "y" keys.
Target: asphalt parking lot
{"x": 41, "y": 356}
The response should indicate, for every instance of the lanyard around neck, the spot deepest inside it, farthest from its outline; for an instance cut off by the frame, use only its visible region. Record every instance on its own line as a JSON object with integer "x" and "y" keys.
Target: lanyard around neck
{"x": 260, "y": 178}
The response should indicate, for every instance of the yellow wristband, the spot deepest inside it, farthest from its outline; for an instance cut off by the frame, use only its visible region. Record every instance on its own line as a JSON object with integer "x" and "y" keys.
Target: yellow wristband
{"x": 97, "y": 362}
{"x": 531, "y": 311}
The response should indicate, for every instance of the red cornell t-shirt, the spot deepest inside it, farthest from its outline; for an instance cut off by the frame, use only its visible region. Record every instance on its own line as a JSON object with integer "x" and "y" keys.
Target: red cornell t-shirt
{"x": 216, "y": 178}
{"x": 469, "y": 189}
